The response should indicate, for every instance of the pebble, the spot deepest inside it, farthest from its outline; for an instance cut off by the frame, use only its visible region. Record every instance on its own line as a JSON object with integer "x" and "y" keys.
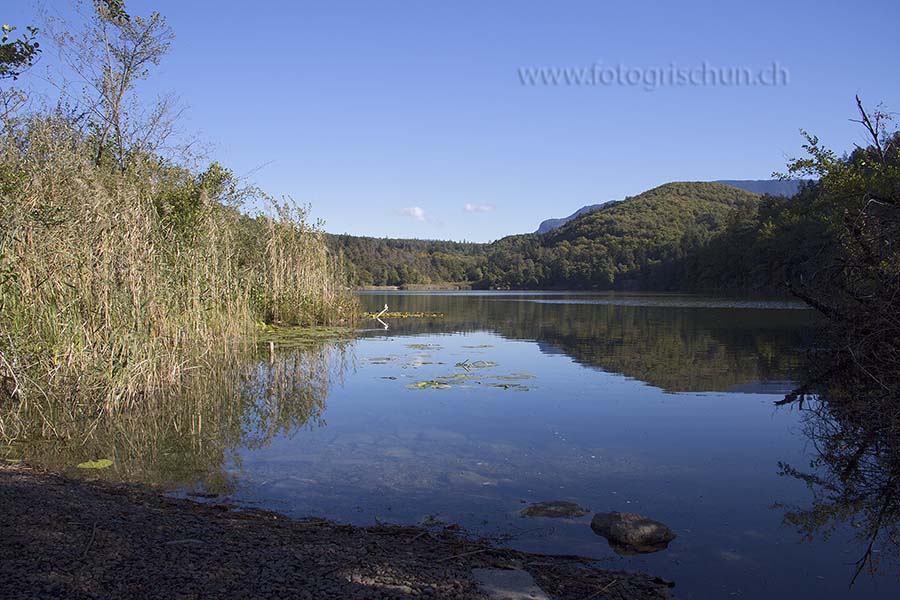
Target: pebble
{"x": 48, "y": 551}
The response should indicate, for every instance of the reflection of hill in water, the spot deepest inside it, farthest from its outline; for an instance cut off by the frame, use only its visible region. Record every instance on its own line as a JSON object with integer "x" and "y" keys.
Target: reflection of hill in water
{"x": 676, "y": 348}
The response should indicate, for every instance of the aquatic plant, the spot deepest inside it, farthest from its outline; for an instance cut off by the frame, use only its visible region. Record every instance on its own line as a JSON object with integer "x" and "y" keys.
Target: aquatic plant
{"x": 509, "y": 386}
{"x": 424, "y": 346}
{"x": 107, "y": 298}
{"x": 123, "y": 267}
{"x": 478, "y": 364}
{"x": 403, "y": 315}
{"x": 429, "y": 385}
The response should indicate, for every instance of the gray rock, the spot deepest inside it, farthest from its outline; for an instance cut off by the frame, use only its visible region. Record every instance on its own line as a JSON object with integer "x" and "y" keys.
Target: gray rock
{"x": 630, "y": 533}
{"x": 506, "y": 584}
{"x": 554, "y": 509}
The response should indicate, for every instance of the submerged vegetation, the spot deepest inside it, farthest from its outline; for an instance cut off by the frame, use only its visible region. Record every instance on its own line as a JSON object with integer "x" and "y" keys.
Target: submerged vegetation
{"x": 123, "y": 271}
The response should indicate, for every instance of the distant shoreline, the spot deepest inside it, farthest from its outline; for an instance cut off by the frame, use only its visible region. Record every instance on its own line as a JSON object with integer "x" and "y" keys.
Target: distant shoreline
{"x": 417, "y": 287}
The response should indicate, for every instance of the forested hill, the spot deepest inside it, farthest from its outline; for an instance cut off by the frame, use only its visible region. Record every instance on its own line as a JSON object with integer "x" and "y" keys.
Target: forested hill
{"x": 620, "y": 243}
{"x": 628, "y": 243}
{"x": 385, "y": 261}
{"x": 770, "y": 187}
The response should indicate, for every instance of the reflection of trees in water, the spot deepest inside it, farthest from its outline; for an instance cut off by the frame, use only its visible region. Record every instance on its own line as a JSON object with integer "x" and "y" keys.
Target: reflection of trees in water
{"x": 677, "y": 349}
{"x": 177, "y": 437}
{"x": 289, "y": 392}
{"x": 853, "y": 423}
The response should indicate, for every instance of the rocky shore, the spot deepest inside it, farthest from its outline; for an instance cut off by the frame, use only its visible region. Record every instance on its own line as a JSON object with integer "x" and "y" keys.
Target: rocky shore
{"x": 69, "y": 538}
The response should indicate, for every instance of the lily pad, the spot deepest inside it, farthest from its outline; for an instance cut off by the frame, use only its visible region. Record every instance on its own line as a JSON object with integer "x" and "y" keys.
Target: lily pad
{"x": 423, "y": 346}
{"x": 516, "y": 376}
{"x": 296, "y": 336}
{"x": 478, "y": 364}
{"x": 431, "y": 384}
{"x": 419, "y": 363}
{"x": 100, "y": 463}
{"x": 459, "y": 377}
{"x": 509, "y": 386}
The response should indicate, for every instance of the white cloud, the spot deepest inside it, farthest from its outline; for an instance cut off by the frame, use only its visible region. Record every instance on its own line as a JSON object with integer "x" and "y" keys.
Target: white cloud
{"x": 414, "y": 212}
{"x": 469, "y": 207}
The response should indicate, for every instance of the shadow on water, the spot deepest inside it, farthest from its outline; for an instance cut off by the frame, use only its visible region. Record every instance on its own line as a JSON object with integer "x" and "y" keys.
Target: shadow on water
{"x": 183, "y": 437}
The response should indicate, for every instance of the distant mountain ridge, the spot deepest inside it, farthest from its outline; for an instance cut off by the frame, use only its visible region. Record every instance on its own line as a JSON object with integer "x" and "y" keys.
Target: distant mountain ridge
{"x": 770, "y": 187}
{"x": 551, "y": 224}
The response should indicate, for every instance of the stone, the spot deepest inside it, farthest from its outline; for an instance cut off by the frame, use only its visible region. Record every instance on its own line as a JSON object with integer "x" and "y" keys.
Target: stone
{"x": 554, "y": 509}
{"x": 508, "y": 584}
{"x": 630, "y": 533}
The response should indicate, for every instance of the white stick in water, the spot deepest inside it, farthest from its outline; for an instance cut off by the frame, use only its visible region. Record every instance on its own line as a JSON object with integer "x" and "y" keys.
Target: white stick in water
{"x": 384, "y": 310}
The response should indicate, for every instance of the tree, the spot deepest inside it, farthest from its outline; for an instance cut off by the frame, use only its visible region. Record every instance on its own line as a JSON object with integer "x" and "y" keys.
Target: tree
{"x": 111, "y": 53}
{"x": 19, "y": 54}
{"x": 855, "y": 279}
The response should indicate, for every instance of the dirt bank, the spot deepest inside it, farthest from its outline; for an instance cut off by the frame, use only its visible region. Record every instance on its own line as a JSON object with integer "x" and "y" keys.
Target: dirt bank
{"x": 63, "y": 537}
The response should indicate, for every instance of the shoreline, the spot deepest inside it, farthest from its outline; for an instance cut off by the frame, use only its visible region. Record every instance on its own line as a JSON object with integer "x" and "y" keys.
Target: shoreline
{"x": 443, "y": 286}
{"x": 68, "y": 537}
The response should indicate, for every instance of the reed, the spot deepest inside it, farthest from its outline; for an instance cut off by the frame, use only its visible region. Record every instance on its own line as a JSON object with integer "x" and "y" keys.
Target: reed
{"x": 116, "y": 285}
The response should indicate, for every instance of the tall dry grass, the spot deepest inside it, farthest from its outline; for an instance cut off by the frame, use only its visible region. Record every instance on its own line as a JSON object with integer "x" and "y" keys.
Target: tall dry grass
{"x": 304, "y": 282}
{"x": 115, "y": 286}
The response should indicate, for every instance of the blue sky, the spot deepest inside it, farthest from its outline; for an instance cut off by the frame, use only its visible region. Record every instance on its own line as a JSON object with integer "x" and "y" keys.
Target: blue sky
{"x": 410, "y": 119}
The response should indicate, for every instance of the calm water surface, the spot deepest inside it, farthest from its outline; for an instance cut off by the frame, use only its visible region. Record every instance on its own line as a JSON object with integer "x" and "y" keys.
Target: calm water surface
{"x": 658, "y": 404}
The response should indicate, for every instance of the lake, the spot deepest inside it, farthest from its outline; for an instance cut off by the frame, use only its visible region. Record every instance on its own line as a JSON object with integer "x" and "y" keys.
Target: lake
{"x": 661, "y": 404}
{"x": 657, "y": 404}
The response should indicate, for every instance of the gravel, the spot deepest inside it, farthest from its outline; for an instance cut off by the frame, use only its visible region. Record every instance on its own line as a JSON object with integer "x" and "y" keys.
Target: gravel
{"x": 65, "y": 537}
